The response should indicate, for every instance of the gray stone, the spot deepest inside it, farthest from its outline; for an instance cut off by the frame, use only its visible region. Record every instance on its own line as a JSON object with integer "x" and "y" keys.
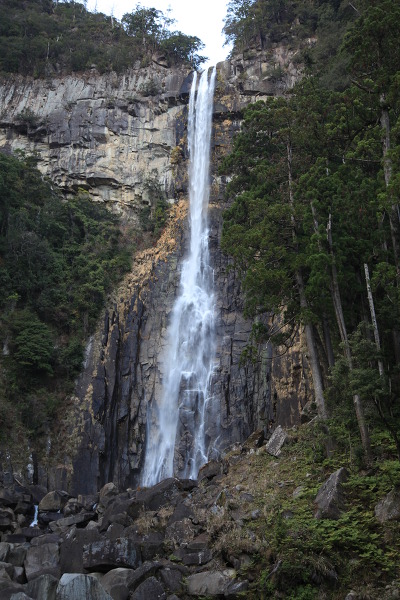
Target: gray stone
{"x": 150, "y": 588}
{"x": 43, "y": 587}
{"x": 210, "y": 583}
{"x": 17, "y": 555}
{"x": 172, "y": 579}
{"x": 330, "y": 499}
{"x": 276, "y": 441}
{"x": 20, "y": 596}
{"x": 198, "y": 558}
{"x": 41, "y": 560}
{"x": 117, "y": 581}
{"x": 53, "y": 501}
{"x": 105, "y": 555}
{"x": 75, "y": 586}
{"x": 19, "y": 575}
{"x": 388, "y": 509}
{"x": 4, "y": 550}
{"x": 8, "y": 588}
{"x": 6, "y": 570}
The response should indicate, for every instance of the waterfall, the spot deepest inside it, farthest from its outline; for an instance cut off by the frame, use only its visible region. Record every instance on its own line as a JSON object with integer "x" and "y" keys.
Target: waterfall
{"x": 179, "y": 418}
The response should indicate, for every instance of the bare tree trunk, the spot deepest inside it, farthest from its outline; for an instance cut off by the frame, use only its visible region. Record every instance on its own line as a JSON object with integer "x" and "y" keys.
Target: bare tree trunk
{"x": 309, "y": 330}
{"x": 325, "y": 323}
{"x": 337, "y": 303}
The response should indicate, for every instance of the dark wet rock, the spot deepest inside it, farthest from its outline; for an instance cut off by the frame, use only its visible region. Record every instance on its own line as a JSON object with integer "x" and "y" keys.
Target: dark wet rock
{"x": 7, "y": 518}
{"x": 330, "y": 499}
{"x": 180, "y": 532}
{"x": 150, "y": 588}
{"x": 75, "y": 586}
{"x": 19, "y": 575}
{"x": 181, "y": 511}
{"x": 104, "y": 555}
{"x": 80, "y": 519}
{"x": 159, "y": 495}
{"x": 198, "y": 558}
{"x": 117, "y": 582}
{"x": 388, "y": 509}
{"x": 17, "y": 554}
{"x": 4, "y": 551}
{"x": 42, "y": 587}
{"x": 172, "y": 579}
{"x": 107, "y": 493}
{"x": 255, "y": 440}
{"x": 6, "y": 570}
{"x": 53, "y": 501}
{"x": 71, "y": 549}
{"x": 150, "y": 545}
{"x": 210, "y": 470}
{"x": 8, "y": 588}
{"x": 41, "y": 560}
{"x": 122, "y": 511}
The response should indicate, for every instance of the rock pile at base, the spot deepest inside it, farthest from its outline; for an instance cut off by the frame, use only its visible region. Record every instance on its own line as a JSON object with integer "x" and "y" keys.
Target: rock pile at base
{"x": 137, "y": 544}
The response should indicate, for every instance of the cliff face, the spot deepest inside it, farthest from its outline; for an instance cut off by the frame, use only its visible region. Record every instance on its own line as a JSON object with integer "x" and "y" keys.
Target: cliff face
{"x": 107, "y": 135}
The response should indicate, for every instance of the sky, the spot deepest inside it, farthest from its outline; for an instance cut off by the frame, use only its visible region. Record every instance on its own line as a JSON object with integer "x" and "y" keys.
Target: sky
{"x": 202, "y": 18}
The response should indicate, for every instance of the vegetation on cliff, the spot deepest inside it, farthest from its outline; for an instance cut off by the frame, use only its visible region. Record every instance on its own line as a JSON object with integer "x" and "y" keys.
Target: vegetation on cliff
{"x": 58, "y": 260}
{"x": 315, "y": 222}
{"x": 41, "y": 37}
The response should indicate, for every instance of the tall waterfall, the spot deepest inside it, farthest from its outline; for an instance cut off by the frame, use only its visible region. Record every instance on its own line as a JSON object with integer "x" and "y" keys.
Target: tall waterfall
{"x": 182, "y": 411}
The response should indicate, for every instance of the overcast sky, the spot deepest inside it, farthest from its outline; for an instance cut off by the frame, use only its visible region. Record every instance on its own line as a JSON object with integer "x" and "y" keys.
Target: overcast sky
{"x": 202, "y": 18}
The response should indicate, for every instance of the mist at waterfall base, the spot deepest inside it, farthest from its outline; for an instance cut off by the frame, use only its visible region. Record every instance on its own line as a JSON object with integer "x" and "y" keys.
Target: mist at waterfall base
{"x": 186, "y": 400}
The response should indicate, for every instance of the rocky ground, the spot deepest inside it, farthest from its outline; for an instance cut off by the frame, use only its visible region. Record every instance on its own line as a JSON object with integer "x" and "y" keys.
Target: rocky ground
{"x": 250, "y": 527}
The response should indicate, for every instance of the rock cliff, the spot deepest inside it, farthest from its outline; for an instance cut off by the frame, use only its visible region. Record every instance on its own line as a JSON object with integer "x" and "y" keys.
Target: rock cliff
{"x": 109, "y": 135}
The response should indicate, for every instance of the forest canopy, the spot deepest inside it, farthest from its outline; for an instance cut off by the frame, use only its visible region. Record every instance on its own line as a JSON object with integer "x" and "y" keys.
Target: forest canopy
{"x": 42, "y": 37}
{"x": 314, "y": 227}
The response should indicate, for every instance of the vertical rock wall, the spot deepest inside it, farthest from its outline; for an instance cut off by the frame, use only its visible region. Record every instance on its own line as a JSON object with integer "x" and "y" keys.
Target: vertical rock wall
{"x": 104, "y": 134}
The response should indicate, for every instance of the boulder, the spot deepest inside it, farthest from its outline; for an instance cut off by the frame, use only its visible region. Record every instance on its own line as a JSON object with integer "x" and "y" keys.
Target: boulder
{"x": 42, "y": 559}
{"x": 159, "y": 495}
{"x": 20, "y": 596}
{"x": 210, "y": 470}
{"x": 4, "y": 551}
{"x": 198, "y": 558}
{"x": 276, "y": 441}
{"x": 6, "y": 570}
{"x": 75, "y": 586}
{"x": 9, "y": 588}
{"x": 67, "y": 522}
{"x": 107, "y": 493}
{"x": 116, "y": 583}
{"x": 19, "y": 575}
{"x": 150, "y": 588}
{"x": 7, "y": 518}
{"x": 53, "y": 501}
{"x": 210, "y": 583}
{"x": 105, "y": 555}
{"x": 16, "y": 555}
{"x": 388, "y": 509}
{"x": 44, "y": 587}
{"x": 172, "y": 579}
{"x": 330, "y": 499}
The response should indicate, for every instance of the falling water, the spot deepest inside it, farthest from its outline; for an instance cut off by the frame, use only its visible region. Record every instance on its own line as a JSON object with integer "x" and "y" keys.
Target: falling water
{"x": 191, "y": 346}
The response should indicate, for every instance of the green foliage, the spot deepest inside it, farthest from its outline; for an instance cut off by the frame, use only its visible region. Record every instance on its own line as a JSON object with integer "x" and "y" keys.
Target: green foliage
{"x": 154, "y": 216}
{"x": 58, "y": 260}
{"x": 313, "y": 162}
{"x": 39, "y": 38}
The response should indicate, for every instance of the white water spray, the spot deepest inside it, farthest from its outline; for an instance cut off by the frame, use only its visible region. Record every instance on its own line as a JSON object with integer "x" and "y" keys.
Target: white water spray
{"x": 191, "y": 341}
